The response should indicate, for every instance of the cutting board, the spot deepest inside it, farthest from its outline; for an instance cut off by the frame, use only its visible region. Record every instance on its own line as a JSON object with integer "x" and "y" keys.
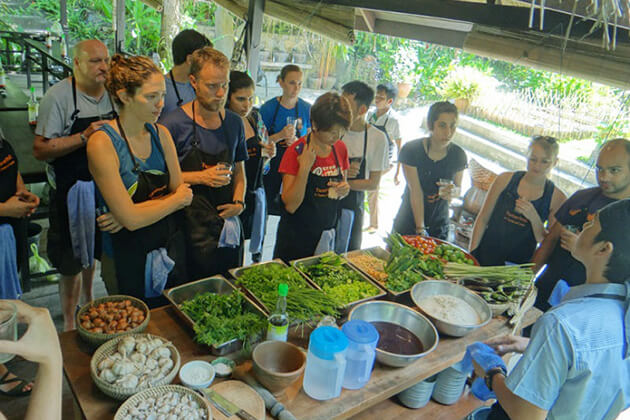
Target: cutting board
{"x": 242, "y": 395}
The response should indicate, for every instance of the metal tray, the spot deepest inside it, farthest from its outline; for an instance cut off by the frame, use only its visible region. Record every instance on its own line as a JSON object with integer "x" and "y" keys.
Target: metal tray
{"x": 308, "y": 261}
{"x": 238, "y": 272}
{"x": 214, "y": 284}
{"x": 382, "y": 254}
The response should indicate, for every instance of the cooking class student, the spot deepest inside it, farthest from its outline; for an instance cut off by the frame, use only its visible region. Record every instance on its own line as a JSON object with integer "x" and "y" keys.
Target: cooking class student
{"x": 512, "y": 220}
{"x": 385, "y": 119}
{"x": 179, "y": 91}
{"x": 314, "y": 180}
{"x": 577, "y": 363}
{"x": 367, "y": 152}
{"x": 16, "y": 204}
{"x": 69, "y": 113}
{"x": 134, "y": 164}
{"x": 613, "y": 178}
{"x": 210, "y": 142}
{"x": 433, "y": 168}
{"x": 287, "y": 117}
{"x": 260, "y": 151}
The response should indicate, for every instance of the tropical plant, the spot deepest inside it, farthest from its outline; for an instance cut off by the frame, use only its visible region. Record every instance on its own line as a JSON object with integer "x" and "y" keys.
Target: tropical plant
{"x": 405, "y": 68}
{"x": 462, "y": 82}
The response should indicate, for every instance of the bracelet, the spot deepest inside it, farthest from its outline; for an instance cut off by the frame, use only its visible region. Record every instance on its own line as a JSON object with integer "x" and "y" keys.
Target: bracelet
{"x": 491, "y": 373}
{"x": 242, "y": 203}
{"x": 422, "y": 231}
{"x": 83, "y": 138}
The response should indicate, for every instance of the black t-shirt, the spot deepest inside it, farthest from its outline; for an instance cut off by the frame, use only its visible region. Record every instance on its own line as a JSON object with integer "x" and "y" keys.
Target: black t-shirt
{"x": 429, "y": 173}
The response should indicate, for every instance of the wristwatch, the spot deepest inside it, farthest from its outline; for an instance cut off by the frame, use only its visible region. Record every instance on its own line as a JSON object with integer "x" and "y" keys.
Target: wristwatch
{"x": 490, "y": 374}
{"x": 422, "y": 231}
{"x": 83, "y": 138}
{"x": 242, "y": 203}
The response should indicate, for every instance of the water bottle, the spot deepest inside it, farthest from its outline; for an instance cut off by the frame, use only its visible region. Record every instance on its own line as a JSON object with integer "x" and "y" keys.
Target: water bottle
{"x": 33, "y": 108}
{"x": 362, "y": 339}
{"x": 325, "y": 363}
{"x": 278, "y": 327}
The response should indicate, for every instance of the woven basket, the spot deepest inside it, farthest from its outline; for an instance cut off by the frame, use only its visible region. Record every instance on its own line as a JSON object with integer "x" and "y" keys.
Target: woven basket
{"x": 158, "y": 392}
{"x": 96, "y": 339}
{"x": 481, "y": 177}
{"x": 118, "y": 392}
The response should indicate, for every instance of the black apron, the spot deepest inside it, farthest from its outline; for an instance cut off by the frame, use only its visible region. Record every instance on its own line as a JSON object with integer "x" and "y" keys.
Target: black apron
{"x": 300, "y": 232}
{"x": 8, "y": 188}
{"x": 131, "y": 247}
{"x": 354, "y": 201}
{"x": 179, "y": 98}
{"x": 390, "y": 142}
{"x": 561, "y": 264}
{"x": 203, "y": 225}
{"x": 69, "y": 169}
{"x": 254, "y": 172}
{"x": 273, "y": 180}
{"x": 509, "y": 236}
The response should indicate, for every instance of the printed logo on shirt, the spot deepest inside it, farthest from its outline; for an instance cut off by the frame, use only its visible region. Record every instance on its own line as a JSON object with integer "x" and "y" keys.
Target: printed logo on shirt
{"x": 515, "y": 219}
{"x": 433, "y": 198}
{"x": 6, "y": 163}
{"x": 321, "y": 192}
{"x": 573, "y": 212}
{"x": 331, "y": 170}
{"x": 252, "y": 152}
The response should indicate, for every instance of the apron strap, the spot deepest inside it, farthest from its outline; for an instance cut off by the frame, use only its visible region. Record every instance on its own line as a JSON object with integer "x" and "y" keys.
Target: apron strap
{"x": 179, "y": 99}
{"x": 275, "y": 114}
{"x": 76, "y": 111}
{"x": 136, "y": 165}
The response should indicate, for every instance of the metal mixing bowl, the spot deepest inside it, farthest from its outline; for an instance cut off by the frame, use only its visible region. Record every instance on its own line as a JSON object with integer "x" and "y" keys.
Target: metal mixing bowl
{"x": 440, "y": 287}
{"x": 405, "y": 317}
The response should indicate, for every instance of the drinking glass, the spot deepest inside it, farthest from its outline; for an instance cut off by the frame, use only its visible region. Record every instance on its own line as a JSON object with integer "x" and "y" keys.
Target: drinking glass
{"x": 444, "y": 186}
{"x": 8, "y": 326}
{"x": 226, "y": 165}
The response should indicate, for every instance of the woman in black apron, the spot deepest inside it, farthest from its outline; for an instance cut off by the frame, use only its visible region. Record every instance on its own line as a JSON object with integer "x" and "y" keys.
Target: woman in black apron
{"x": 260, "y": 151}
{"x": 426, "y": 162}
{"x": 314, "y": 172}
{"x": 135, "y": 167}
{"x": 512, "y": 221}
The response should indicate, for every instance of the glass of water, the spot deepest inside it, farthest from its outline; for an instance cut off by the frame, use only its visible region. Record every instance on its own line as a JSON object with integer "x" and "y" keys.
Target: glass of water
{"x": 8, "y": 326}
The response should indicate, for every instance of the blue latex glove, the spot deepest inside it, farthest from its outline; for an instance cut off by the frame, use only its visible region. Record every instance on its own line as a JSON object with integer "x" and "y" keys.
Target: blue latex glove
{"x": 485, "y": 356}
{"x": 465, "y": 365}
{"x": 481, "y": 391}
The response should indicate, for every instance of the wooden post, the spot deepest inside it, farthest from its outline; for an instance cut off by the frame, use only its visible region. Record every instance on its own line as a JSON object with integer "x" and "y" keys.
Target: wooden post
{"x": 119, "y": 37}
{"x": 254, "y": 34}
{"x": 171, "y": 16}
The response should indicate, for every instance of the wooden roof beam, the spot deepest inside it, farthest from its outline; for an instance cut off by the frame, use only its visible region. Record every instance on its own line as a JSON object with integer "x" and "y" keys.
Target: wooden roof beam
{"x": 369, "y": 18}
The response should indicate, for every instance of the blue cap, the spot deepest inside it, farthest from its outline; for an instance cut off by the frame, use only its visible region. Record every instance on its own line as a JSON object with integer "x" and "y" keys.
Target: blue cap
{"x": 325, "y": 342}
{"x": 360, "y": 331}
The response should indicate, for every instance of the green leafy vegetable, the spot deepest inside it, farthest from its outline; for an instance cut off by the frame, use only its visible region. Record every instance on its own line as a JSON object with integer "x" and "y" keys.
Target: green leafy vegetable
{"x": 338, "y": 280}
{"x": 304, "y": 304}
{"x": 496, "y": 284}
{"x": 221, "y": 318}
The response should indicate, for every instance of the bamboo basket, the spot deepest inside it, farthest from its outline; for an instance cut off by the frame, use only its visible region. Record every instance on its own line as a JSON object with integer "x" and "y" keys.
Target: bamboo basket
{"x": 157, "y": 392}
{"x": 118, "y": 392}
{"x": 96, "y": 339}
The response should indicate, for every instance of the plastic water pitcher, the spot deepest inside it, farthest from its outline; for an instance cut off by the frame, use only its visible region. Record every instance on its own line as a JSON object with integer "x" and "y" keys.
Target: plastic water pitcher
{"x": 325, "y": 363}
{"x": 362, "y": 340}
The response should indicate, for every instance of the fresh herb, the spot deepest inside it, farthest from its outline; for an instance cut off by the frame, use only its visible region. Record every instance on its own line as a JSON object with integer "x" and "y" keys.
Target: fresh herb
{"x": 407, "y": 265}
{"x": 496, "y": 284}
{"x": 222, "y": 318}
{"x": 338, "y": 280}
{"x": 304, "y": 304}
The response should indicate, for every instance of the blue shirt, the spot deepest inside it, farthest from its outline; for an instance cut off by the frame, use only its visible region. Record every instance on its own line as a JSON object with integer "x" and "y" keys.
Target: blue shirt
{"x": 185, "y": 90}
{"x": 574, "y": 365}
{"x": 230, "y": 136}
{"x": 275, "y": 125}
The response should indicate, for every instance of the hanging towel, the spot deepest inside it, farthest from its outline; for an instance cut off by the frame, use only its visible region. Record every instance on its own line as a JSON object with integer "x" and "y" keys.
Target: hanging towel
{"x": 231, "y": 233}
{"x": 326, "y": 242}
{"x": 344, "y": 228}
{"x": 9, "y": 281}
{"x": 258, "y": 221}
{"x": 156, "y": 269}
{"x": 81, "y": 219}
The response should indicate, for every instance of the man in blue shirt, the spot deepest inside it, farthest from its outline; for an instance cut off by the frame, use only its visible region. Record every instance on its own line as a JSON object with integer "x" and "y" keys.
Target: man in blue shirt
{"x": 179, "y": 91}
{"x": 576, "y": 364}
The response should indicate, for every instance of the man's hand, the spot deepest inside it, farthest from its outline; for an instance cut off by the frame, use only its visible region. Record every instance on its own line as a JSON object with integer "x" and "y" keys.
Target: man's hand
{"x": 567, "y": 239}
{"x": 108, "y": 223}
{"x": 17, "y": 207}
{"x": 508, "y": 344}
{"x": 216, "y": 176}
{"x": 229, "y": 210}
{"x": 268, "y": 149}
{"x": 355, "y": 167}
{"x": 92, "y": 128}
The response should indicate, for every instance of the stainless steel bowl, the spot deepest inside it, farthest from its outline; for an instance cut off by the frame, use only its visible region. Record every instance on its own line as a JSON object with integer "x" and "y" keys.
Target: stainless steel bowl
{"x": 403, "y": 316}
{"x": 440, "y": 287}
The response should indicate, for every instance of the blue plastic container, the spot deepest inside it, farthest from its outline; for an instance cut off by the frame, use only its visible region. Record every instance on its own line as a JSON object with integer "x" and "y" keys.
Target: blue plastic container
{"x": 362, "y": 339}
{"x": 325, "y": 363}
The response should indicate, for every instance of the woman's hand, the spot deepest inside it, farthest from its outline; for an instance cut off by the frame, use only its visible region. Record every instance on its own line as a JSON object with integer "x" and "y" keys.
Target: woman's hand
{"x": 306, "y": 159}
{"x": 527, "y": 209}
{"x": 508, "y": 344}
{"x": 341, "y": 188}
{"x": 269, "y": 149}
{"x": 229, "y": 210}
{"x": 108, "y": 223}
{"x": 183, "y": 195}
{"x": 17, "y": 207}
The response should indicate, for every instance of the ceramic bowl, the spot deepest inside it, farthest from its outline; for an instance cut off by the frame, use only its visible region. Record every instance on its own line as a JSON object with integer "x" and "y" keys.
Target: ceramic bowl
{"x": 185, "y": 374}
{"x": 278, "y": 364}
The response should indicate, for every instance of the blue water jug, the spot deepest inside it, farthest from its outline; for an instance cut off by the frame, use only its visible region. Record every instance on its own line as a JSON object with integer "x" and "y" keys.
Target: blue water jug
{"x": 362, "y": 338}
{"x": 325, "y": 363}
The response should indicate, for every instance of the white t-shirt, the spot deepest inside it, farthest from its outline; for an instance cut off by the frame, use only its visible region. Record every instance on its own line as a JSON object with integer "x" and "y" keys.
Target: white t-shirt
{"x": 376, "y": 158}
{"x": 57, "y": 106}
{"x": 389, "y": 120}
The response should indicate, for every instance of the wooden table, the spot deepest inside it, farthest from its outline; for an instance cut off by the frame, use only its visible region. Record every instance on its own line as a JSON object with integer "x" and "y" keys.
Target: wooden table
{"x": 385, "y": 381}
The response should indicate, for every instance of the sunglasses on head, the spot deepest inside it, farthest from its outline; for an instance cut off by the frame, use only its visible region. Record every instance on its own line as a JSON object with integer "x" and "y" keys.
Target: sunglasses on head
{"x": 548, "y": 139}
